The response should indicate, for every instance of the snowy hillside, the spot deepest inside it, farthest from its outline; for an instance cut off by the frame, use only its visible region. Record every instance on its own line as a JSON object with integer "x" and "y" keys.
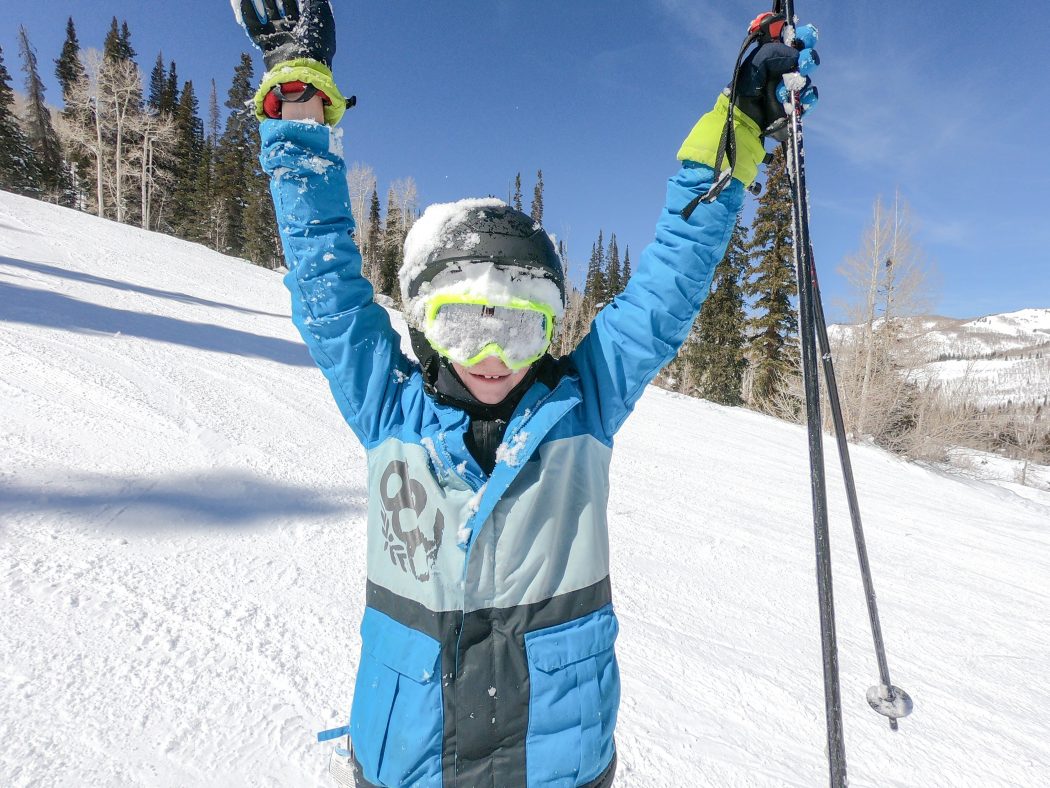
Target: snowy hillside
{"x": 994, "y": 359}
{"x": 181, "y": 548}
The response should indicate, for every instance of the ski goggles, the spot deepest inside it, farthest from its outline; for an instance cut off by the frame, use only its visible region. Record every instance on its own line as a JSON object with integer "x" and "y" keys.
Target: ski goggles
{"x": 467, "y": 330}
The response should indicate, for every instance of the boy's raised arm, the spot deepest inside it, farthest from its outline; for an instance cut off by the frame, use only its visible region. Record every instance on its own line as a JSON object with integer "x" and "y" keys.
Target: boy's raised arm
{"x": 347, "y": 333}
{"x": 641, "y": 330}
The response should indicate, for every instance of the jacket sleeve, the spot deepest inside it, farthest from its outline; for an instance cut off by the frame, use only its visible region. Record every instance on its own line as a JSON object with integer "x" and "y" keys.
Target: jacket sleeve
{"x": 346, "y": 332}
{"x": 640, "y": 330}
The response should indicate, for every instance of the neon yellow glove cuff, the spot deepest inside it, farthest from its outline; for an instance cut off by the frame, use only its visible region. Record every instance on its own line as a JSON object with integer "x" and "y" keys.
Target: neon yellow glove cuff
{"x": 303, "y": 70}
{"x": 701, "y": 145}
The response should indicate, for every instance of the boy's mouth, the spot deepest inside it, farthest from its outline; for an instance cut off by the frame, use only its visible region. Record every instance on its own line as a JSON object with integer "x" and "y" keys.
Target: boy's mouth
{"x": 488, "y": 377}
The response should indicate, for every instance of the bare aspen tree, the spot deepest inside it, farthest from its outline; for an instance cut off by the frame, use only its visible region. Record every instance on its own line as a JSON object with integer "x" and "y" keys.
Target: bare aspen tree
{"x": 107, "y": 102}
{"x": 156, "y": 131}
{"x": 360, "y": 181}
{"x": 83, "y": 127}
{"x": 407, "y": 196}
{"x": 889, "y": 278}
{"x": 120, "y": 89}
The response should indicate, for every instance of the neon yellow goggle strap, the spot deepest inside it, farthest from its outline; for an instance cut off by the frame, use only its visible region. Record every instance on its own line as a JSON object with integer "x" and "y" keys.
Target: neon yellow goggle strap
{"x": 435, "y": 303}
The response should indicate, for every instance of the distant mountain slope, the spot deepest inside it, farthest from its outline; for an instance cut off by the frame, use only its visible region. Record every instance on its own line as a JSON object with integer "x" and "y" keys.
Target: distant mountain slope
{"x": 182, "y": 517}
{"x": 998, "y": 358}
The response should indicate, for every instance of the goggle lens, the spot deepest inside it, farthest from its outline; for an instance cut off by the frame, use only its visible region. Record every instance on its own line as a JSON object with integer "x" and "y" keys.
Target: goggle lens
{"x": 468, "y": 332}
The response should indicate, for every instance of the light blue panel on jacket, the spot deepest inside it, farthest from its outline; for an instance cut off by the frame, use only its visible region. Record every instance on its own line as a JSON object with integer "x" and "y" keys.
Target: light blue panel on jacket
{"x": 548, "y": 534}
{"x": 413, "y": 547}
{"x": 574, "y": 696}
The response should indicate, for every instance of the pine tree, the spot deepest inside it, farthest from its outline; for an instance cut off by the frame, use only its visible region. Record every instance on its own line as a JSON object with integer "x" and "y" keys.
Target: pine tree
{"x": 213, "y": 115}
{"x": 715, "y": 354}
{"x": 373, "y": 252}
{"x": 111, "y": 44}
{"x": 595, "y": 290}
{"x": 262, "y": 242}
{"x": 614, "y": 284}
{"x": 393, "y": 249}
{"x": 68, "y": 67}
{"x": 187, "y": 218}
{"x": 169, "y": 97}
{"x": 626, "y": 275}
{"x": 516, "y": 200}
{"x": 17, "y": 161}
{"x": 773, "y": 284}
{"x": 234, "y": 159}
{"x": 117, "y": 45}
{"x": 158, "y": 79}
{"x": 52, "y": 175}
{"x": 124, "y": 43}
{"x": 537, "y": 199}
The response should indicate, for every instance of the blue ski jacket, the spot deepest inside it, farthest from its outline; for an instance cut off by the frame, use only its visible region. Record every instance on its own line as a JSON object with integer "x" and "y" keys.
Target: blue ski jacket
{"x": 488, "y": 634}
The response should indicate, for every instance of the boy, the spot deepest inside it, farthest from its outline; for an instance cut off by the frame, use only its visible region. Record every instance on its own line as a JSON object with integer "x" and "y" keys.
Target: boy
{"x": 487, "y": 638}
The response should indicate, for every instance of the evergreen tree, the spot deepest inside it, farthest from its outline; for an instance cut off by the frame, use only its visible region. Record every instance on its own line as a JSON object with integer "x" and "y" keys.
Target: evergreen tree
{"x": 158, "y": 80}
{"x": 262, "y": 242}
{"x": 169, "y": 97}
{"x": 235, "y": 159}
{"x": 187, "y": 217}
{"x": 52, "y": 176}
{"x": 117, "y": 45}
{"x": 715, "y": 354}
{"x": 111, "y": 44}
{"x": 614, "y": 283}
{"x": 68, "y": 67}
{"x": 17, "y": 160}
{"x": 537, "y": 199}
{"x": 626, "y": 275}
{"x": 595, "y": 289}
{"x": 213, "y": 116}
{"x": 516, "y": 200}
{"x": 393, "y": 249}
{"x": 773, "y": 284}
{"x": 124, "y": 43}
{"x": 373, "y": 252}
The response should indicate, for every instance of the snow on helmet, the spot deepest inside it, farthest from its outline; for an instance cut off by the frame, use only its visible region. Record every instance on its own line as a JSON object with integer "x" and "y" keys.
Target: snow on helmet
{"x": 479, "y": 248}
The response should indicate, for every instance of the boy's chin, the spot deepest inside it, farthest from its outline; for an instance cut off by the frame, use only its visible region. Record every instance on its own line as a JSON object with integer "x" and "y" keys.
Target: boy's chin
{"x": 489, "y": 383}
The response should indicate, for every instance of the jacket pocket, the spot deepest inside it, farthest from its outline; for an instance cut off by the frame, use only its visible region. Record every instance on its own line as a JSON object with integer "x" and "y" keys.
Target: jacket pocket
{"x": 574, "y": 694}
{"x": 396, "y": 718}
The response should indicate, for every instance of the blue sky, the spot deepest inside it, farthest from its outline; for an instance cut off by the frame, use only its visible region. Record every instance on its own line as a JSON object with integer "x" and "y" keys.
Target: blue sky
{"x": 946, "y": 101}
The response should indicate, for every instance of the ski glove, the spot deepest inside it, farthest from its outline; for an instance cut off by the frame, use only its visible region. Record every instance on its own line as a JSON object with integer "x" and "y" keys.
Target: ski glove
{"x": 701, "y": 145}
{"x": 297, "y": 39}
{"x": 289, "y": 29}
{"x": 769, "y": 72}
{"x": 761, "y": 87}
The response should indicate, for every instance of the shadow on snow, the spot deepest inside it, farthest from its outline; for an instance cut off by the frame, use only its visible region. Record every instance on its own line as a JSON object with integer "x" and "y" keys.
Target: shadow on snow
{"x": 80, "y": 276}
{"x": 31, "y": 306}
{"x": 230, "y": 498}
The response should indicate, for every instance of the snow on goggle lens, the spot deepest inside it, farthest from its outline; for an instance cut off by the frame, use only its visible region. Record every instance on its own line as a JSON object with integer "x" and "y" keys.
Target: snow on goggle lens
{"x": 468, "y": 332}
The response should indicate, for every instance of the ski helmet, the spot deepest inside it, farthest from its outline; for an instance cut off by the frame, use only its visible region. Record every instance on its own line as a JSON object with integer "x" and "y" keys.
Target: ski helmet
{"x": 451, "y": 242}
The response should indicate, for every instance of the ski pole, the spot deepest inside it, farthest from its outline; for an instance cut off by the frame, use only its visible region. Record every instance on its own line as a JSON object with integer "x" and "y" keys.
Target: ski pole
{"x": 886, "y": 699}
{"x": 794, "y": 151}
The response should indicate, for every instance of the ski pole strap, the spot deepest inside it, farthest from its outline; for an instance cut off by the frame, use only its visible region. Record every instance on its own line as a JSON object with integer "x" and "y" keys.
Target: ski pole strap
{"x": 333, "y": 733}
{"x": 727, "y": 142}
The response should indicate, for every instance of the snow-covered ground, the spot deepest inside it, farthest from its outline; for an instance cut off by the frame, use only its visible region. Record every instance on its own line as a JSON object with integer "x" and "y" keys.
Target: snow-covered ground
{"x": 182, "y": 546}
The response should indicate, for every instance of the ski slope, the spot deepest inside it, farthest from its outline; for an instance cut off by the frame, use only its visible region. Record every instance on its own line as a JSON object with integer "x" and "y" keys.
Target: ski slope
{"x": 182, "y": 538}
